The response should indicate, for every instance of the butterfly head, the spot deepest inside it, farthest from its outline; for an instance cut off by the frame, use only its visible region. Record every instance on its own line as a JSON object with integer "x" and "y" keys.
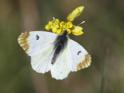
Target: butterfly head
{"x": 58, "y": 27}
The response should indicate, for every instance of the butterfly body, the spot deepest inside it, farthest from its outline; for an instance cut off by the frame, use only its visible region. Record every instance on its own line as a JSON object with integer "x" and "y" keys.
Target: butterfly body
{"x": 60, "y": 44}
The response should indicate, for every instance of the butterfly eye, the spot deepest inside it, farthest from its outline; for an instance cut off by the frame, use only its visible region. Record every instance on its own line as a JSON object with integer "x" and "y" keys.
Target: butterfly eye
{"x": 78, "y": 52}
{"x": 37, "y": 37}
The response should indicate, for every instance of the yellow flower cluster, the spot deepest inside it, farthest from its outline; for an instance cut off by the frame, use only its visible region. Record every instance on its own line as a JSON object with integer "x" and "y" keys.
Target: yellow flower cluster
{"x": 58, "y": 27}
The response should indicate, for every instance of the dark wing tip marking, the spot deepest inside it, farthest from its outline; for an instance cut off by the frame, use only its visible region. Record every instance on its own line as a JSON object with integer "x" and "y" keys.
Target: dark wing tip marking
{"x": 22, "y": 40}
{"x": 85, "y": 63}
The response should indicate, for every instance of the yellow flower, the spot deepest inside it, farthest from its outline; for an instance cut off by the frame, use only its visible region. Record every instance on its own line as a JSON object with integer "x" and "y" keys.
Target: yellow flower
{"x": 59, "y": 31}
{"x": 69, "y": 31}
{"x": 54, "y": 30}
{"x": 58, "y": 27}
{"x": 48, "y": 26}
{"x": 62, "y": 24}
{"x": 56, "y": 21}
{"x": 75, "y": 13}
{"x": 77, "y": 30}
{"x": 69, "y": 25}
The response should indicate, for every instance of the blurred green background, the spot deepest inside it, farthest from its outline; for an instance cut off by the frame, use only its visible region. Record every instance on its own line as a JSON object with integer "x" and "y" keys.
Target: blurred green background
{"x": 103, "y": 38}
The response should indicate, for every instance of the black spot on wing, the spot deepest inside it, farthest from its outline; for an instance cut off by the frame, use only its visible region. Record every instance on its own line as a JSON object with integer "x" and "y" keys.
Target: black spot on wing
{"x": 78, "y": 52}
{"x": 37, "y": 37}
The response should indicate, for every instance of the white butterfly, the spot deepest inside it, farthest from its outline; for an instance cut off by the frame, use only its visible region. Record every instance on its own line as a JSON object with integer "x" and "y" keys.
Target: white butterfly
{"x": 42, "y": 47}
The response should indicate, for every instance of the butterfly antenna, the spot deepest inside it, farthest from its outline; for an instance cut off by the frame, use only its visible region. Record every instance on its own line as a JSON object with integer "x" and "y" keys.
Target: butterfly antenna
{"x": 81, "y": 22}
{"x": 54, "y": 18}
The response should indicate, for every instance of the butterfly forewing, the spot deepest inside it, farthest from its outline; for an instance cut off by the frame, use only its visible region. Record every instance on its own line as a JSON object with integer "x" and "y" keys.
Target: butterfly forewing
{"x": 34, "y": 41}
{"x": 40, "y": 48}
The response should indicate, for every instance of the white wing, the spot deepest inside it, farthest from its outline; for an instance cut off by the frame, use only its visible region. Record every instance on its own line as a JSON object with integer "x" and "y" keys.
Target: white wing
{"x": 74, "y": 57}
{"x": 32, "y": 42}
{"x": 38, "y": 45}
{"x": 41, "y": 62}
{"x": 62, "y": 67}
{"x": 79, "y": 56}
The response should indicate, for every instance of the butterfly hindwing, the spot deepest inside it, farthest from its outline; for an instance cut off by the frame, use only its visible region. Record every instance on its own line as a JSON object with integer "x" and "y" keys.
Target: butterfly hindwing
{"x": 41, "y": 62}
{"x": 62, "y": 66}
